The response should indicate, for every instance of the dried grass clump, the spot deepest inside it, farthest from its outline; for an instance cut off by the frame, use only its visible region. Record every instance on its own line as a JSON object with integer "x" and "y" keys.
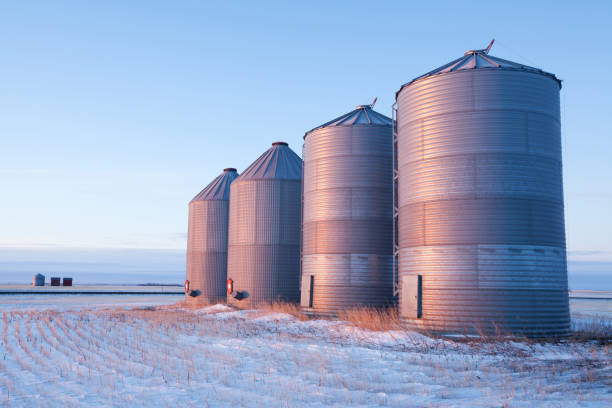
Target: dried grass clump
{"x": 292, "y": 309}
{"x": 597, "y": 329}
{"x": 192, "y": 305}
{"x": 372, "y": 318}
{"x": 593, "y": 330}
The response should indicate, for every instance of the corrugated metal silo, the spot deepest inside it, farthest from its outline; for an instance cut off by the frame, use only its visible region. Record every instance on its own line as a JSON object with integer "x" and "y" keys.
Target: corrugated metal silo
{"x": 481, "y": 217}
{"x": 264, "y": 229}
{"x": 207, "y": 241}
{"x": 347, "y": 256}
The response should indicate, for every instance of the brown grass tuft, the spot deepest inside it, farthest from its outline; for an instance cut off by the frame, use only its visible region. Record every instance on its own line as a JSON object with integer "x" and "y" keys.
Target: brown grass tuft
{"x": 372, "y": 318}
{"x": 598, "y": 329}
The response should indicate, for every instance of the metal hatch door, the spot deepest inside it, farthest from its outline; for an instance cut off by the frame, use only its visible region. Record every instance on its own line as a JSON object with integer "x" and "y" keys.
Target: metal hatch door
{"x": 307, "y": 290}
{"x": 412, "y": 296}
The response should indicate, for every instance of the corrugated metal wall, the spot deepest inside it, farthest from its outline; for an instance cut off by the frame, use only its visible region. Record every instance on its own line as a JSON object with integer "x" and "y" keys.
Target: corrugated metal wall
{"x": 481, "y": 214}
{"x": 207, "y": 241}
{"x": 264, "y": 229}
{"x": 347, "y": 230}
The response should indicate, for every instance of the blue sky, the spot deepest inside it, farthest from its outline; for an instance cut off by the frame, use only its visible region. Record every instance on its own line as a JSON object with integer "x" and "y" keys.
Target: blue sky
{"x": 114, "y": 115}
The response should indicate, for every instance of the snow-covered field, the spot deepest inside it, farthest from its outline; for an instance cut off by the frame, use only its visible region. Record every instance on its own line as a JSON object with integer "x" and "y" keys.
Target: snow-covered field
{"x": 79, "y": 302}
{"x": 168, "y": 356}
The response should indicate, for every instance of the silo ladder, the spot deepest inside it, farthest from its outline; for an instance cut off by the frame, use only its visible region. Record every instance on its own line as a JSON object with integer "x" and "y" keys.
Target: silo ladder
{"x": 395, "y": 202}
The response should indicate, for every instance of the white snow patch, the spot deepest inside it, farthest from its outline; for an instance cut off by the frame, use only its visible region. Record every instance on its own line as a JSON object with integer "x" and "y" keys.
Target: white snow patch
{"x": 275, "y": 317}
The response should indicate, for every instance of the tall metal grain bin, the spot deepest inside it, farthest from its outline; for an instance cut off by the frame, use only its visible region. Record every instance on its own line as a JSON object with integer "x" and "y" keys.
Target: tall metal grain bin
{"x": 347, "y": 256}
{"x": 264, "y": 229}
{"x": 207, "y": 241}
{"x": 481, "y": 218}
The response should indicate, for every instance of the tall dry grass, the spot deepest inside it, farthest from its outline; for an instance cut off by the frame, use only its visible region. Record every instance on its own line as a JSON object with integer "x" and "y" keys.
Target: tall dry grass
{"x": 377, "y": 319}
{"x": 371, "y": 318}
{"x": 598, "y": 329}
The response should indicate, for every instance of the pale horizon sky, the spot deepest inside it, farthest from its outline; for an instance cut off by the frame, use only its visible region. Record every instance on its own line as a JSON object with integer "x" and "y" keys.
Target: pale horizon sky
{"x": 114, "y": 114}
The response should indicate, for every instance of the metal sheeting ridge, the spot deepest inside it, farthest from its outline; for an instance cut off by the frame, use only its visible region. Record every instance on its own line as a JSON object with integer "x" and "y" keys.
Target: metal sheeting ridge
{"x": 481, "y": 215}
{"x": 347, "y": 224}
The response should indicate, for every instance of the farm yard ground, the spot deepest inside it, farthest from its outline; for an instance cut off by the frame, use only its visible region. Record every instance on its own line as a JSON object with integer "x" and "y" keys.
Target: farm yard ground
{"x": 153, "y": 354}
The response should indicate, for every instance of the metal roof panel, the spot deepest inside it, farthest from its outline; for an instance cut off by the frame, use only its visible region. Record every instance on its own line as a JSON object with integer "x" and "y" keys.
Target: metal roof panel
{"x": 219, "y": 188}
{"x": 362, "y": 115}
{"x": 480, "y": 59}
{"x": 278, "y": 162}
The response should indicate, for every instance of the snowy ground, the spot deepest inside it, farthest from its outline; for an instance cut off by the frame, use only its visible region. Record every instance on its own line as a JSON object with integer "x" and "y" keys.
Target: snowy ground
{"x": 80, "y": 302}
{"x": 103, "y": 355}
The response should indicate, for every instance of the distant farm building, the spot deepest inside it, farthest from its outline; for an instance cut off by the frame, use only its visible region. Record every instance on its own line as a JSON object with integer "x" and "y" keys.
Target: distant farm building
{"x": 39, "y": 280}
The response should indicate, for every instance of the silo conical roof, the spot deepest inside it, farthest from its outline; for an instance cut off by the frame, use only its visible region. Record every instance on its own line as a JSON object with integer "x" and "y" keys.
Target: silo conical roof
{"x": 362, "y": 115}
{"x": 480, "y": 59}
{"x": 278, "y": 162}
{"x": 219, "y": 188}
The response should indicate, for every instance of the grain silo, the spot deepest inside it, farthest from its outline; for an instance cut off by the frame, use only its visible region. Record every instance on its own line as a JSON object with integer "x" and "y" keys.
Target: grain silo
{"x": 347, "y": 258}
{"x": 39, "y": 280}
{"x": 481, "y": 218}
{"x": 264, "y": 229}
{"x": 207, "y": 241}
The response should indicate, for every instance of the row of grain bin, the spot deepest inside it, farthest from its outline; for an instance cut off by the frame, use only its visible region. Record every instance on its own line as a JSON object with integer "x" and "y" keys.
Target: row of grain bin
{"x": 243, "y": 241}
{"x": 456, "y": 207}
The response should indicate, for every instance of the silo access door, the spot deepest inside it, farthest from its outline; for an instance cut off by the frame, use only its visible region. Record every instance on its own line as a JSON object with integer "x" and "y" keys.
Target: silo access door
{"x": 412, "y": 296}
{"x": 307, "y": 291}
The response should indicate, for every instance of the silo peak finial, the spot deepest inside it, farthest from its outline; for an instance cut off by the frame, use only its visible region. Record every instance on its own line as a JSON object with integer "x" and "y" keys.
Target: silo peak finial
{"x": 370, "y": 106}
{"x": 483, "y": 51}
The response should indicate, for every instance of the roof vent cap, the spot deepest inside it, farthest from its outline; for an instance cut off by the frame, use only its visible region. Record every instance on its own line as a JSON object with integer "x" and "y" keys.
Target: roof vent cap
{"x": 483, "y": 51}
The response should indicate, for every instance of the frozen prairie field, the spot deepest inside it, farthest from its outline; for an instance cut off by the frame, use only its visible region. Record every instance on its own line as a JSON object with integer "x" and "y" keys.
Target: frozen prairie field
{"x": 79, "y": 302}
{"x": 121, "y": 351}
